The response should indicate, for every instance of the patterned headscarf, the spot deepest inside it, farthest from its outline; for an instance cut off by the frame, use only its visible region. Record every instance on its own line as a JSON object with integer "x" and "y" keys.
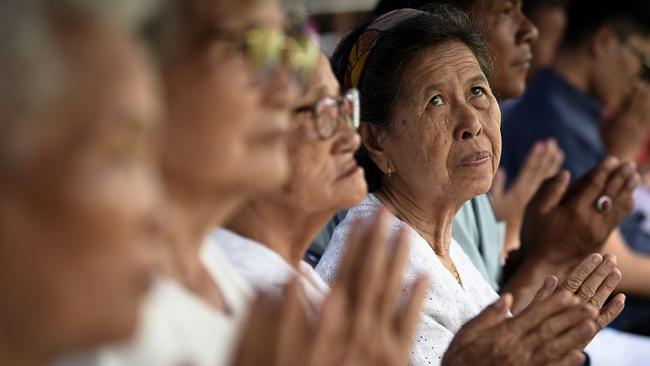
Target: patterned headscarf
{"x": 368, "y": 40}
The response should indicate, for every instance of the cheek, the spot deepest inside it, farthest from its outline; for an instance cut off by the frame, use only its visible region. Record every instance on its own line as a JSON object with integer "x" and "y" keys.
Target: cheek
{"x": 423, "y": 147}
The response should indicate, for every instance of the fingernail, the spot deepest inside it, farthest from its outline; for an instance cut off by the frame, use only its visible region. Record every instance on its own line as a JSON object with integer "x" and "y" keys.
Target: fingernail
{"x": 548, "y": 283}
{"x": 499, "y": 305}
{"x": 610, "y": 162}
{"x": 619, "y": 305}
{"x": 596, "y": 258}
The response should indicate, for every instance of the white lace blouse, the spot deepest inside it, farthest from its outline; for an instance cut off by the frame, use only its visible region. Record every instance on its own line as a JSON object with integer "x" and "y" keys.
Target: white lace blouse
{"x": 447, "y": 305}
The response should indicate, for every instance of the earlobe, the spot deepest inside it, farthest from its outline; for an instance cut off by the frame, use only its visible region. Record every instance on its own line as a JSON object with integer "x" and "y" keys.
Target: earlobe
{"x": 372, "y": 140}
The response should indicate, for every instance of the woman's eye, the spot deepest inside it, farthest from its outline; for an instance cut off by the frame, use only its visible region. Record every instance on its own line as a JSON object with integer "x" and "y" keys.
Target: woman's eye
{"x": 436, "y": 101}
{"x": 476, "y": 91}
{"x": 507, "y": 11}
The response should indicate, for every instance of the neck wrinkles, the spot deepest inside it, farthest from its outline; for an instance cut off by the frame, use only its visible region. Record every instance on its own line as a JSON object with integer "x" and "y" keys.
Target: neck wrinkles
{"x": 432, "y": 218}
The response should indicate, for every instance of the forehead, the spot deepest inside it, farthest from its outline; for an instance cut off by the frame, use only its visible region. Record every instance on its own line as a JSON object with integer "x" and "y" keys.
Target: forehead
{"x": 242, "y": 13}
{"x": 490, "y": 7}
{"x": 322, "y": 82}
{"x": 448, "y": 60}
{"x": 109, "y": 76}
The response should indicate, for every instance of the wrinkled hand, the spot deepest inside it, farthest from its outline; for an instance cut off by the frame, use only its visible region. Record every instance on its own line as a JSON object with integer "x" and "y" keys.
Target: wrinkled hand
{"x": 543, "y": 161}
{"x": 359, "y": 323}
{"x": 625, "y": 134}
{"x": 593, "y": 281}
{"x": 548, "y": 333}
{"x": 563, "y": 227}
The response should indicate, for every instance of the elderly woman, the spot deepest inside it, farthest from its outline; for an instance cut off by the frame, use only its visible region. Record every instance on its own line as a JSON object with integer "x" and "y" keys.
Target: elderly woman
{"x": 268, "y": 238}
{"x": 79, "y": 191}
{"x": 431, "y": 142}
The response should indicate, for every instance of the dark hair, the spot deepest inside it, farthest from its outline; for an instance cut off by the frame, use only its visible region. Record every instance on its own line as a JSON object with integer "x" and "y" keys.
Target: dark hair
{"x": 585, "y": 17}
{"x": 380, "y": 81}
{"x": 385, "y": 6}
{"x": 530, "y": 6}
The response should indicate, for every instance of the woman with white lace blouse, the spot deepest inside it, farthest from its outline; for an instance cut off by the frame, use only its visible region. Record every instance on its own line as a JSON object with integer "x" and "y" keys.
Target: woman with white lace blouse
{"x": 431, "y": 141}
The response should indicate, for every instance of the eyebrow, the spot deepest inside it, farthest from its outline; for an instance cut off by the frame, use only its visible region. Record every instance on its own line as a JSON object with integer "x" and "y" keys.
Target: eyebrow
{"x": 477, "y": 78}
{"x": 474, "y": 79}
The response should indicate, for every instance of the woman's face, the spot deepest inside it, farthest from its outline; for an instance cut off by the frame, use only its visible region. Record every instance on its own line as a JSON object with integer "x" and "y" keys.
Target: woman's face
{"x": 445, "y": 137}
{"x": 324, "y": 173}
{"x": 80, "y": 222}
{"x": 228, "y": 127}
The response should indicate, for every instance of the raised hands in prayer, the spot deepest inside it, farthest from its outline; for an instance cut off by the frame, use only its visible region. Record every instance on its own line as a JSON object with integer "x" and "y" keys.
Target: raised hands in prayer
{"x": 543, "y": 161}
{"x": 360, "y": 322}
{"x": 563, "y": 227}
{"x": 593, "y": 281}
{"x": 549, "y": 332}
{"x": 626, "y": 132}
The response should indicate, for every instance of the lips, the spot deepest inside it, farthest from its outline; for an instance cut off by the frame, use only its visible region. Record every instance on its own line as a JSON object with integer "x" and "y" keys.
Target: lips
{"x": 349, "y": 168}
{"x": 476, "y": 158}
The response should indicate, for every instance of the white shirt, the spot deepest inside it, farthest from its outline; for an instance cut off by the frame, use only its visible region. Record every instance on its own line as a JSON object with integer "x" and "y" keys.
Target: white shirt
{"x": 268, "y": 271}
{"x": 447, "y": 305}
{"x": 179, "y": 328}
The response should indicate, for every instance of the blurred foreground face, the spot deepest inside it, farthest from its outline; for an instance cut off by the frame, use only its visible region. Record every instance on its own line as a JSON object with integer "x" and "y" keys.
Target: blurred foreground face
{"x": 78, "y": 212}
{"x": 509, "y": 34}
{"x": 229, "y": 104}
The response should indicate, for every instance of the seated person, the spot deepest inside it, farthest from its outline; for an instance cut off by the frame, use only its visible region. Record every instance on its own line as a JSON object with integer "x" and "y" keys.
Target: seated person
{"x": 597, "y": 68}
{"x": 431, "y": 142}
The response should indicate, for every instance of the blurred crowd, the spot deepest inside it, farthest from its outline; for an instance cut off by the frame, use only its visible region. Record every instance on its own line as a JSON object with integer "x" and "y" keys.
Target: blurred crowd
{"x": 208, "y": 183}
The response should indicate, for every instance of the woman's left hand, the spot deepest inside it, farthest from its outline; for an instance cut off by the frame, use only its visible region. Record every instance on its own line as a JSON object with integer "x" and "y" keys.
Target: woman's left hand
{"x": 593, "y": 281}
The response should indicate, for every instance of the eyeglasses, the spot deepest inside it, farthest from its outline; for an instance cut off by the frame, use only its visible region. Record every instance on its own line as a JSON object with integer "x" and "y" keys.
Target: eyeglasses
{"x": 328, "y": 112}
{"x": 645, "y": 60}
{"x": 266, "y": 49}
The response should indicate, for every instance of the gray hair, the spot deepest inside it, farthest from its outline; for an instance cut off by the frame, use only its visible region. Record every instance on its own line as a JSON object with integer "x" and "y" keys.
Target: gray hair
{"x": 31, "y": 67}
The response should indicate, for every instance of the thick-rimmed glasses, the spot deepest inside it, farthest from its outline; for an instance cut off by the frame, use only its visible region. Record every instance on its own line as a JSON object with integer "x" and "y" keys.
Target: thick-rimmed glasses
{"x": 645, "y": 60}
{"x": 266, "y": 49}
{"x": 329, "y": 112}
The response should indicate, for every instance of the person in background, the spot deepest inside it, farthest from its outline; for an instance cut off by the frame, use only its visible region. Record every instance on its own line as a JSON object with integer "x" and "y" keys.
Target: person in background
{"x": 79, "y": 189}
{"x": 599, "y": 67}
{"x": 550, "y": 18}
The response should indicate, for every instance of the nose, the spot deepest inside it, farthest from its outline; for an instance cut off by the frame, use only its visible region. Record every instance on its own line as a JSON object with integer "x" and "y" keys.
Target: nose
{"x": 347, "y": 140}
{"x": 468, "y": 125}
{"x": 527, "y": 32}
